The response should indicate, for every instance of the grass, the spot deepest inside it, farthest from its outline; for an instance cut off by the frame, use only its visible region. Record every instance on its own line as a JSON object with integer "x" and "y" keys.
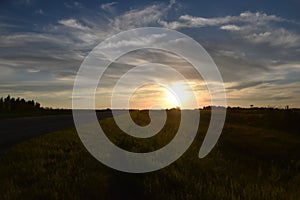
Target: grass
{"x": 252, "y": 160}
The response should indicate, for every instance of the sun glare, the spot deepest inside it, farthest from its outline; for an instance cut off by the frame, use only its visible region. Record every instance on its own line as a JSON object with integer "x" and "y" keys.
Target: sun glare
{"x": 177, "y": 95}
{"x": 171, "y": 99}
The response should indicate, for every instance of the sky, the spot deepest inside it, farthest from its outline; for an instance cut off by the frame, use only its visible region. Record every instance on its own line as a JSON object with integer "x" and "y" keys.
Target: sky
{"x": 255, "y": 44}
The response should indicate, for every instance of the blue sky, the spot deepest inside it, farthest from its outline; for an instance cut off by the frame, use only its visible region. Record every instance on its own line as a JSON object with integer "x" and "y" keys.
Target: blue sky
{"x": 256, "y": 44}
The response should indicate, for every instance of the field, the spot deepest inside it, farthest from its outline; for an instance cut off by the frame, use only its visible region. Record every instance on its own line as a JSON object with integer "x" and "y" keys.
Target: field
{"x": 257, "y": 157}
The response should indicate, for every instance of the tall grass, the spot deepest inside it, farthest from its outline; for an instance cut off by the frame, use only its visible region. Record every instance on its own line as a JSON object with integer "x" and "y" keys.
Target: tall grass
{"x": 250, "y": 161}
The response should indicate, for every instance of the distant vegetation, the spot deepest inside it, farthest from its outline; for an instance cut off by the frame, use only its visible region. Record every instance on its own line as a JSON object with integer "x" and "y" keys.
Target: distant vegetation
{"x": 19, "y": 107}
{"x": 10, "y": 104}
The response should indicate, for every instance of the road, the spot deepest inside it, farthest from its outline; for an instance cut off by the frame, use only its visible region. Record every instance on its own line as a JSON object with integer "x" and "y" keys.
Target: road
{"x": 16, "y": 130}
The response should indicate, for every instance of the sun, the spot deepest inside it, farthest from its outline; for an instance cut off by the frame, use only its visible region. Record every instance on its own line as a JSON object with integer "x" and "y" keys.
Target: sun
{"x": 177, "y": 95}
{"x": 171, "y": 99}
{"x": 171, "y": 95}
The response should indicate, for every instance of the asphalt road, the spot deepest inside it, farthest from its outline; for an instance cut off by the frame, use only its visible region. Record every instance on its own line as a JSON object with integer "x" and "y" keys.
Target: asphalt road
{"x": 15, "y": 130}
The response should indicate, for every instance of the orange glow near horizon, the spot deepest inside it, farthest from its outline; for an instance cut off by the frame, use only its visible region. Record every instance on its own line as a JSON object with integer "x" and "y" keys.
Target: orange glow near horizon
{"x": 156, "y": 96}
{"x": 177, "y": 94}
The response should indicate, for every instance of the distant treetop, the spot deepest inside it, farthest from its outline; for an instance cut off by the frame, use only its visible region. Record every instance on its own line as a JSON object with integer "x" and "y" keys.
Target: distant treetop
{"x": 10, "y": 104}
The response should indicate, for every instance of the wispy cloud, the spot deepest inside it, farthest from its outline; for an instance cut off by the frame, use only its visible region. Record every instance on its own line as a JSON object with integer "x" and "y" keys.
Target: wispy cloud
{"x": 188, "y": 21}
{"x": 109, "y": 7}
{"x": 275, "y": 37}
{"x": 257, "y": 28}
{"x": 231, "y": 27}
{"x": 72, "y": 23}
{"x": 145, "y": 16}
{"x": 74, "y": 4}
{"x": 39, "y": 11}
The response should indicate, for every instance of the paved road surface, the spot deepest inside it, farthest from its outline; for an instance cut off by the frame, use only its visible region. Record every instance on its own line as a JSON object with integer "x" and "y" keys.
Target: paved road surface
{"x": 15, "y": 130}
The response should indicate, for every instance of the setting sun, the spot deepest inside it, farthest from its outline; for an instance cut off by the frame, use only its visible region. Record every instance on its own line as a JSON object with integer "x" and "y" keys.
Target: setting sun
{"x": 178, "y": 94}
{"x": 171, "y": 99}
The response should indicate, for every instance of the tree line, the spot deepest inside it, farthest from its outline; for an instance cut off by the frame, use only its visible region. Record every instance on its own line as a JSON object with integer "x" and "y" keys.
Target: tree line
{"x": 9, "y": 104}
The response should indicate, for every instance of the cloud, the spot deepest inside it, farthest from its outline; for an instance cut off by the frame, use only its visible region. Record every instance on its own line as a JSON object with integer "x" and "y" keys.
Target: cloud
{"x": 55, "y": 54}
{"x": 72, "y": 23}
{"x": 188, "y": 21}
{"x": 146, "y": 16}
{"x": 253, "y": 27}
{"x": 14, "y": 40}
{"x": 138, "y": 17}
{"x": 276, "y": 37}
{"x": 276, "y": 86}
{"x": 57, "y": 49}
{"x": 267, "y": 34}
{"x": 249, "y": 84}
{"x": 230, "y": 27}
{"x": 268, "y": 94}
{"x": 201, "y": 21}
{"x": 74, "y": 4}
{"x": 134, "y": 42}
{"x": 6, "y": 73}
{"x": 258, "y": 17}
{"x": 39, "y": 11}
{"x": 108, "y": 6}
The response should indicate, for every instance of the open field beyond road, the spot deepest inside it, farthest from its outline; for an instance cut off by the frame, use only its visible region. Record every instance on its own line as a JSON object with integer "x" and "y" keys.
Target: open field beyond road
{"x": 257, "y": 157}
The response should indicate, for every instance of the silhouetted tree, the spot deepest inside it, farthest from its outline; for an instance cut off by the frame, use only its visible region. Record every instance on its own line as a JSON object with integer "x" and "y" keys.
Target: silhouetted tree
{"x": 37, "y": 105}
{"x": 1, "y": 104}
{"x": 287, "y": 107}
{"x": 9, "y": 104}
